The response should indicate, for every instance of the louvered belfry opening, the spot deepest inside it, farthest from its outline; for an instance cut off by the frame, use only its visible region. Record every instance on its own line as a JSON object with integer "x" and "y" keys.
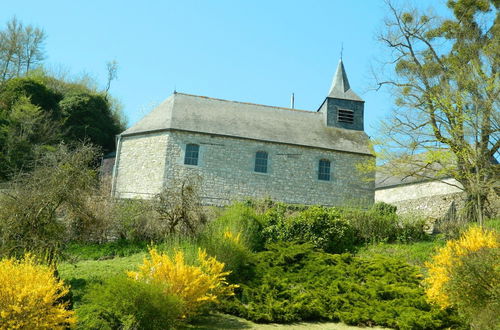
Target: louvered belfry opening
{"x": 345, "y": 116}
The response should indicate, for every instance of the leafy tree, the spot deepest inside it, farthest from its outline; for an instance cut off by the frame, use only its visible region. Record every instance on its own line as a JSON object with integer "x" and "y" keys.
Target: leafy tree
{"x": 87, "y": 116}
{"x": 35, "y": 89}
{"x": 24, "y": 132}
{"x": 447, "y": 86}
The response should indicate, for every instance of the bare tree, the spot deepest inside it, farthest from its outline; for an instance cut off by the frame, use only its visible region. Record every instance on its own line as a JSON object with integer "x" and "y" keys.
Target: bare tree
{"x": 112, "y": 67}
{"x": 21, "y": 49}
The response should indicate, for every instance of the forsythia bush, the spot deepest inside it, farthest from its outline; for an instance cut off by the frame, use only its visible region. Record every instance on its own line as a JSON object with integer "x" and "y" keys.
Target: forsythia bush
{"x": 451, "y": 256}
{"x": 195, "y": 285}
{"x": 30, "y": 295}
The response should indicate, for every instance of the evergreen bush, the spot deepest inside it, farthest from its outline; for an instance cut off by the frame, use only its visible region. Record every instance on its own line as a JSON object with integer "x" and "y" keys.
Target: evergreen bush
{"x": 123, "y": 303}
{"x": 297, "y": 283}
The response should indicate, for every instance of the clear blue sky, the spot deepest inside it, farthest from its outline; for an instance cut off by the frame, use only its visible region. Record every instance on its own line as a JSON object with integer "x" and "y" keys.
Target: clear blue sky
{"x": 256, "y": 51}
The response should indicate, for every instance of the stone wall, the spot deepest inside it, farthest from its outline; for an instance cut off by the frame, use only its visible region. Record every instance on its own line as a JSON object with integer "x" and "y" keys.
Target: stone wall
{"x": 139, "y": 165}
{"x": 430, "y": 198}
{"x": 226, "y": 168}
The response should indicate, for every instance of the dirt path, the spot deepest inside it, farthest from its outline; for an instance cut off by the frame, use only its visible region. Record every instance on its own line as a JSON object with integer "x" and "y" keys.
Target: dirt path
{"x": 223, "y": 321}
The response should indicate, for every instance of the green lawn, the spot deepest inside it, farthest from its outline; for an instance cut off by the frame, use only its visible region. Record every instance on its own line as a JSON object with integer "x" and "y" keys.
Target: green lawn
{"x": 81, "y": 274}
{"x": 415, "y": 254}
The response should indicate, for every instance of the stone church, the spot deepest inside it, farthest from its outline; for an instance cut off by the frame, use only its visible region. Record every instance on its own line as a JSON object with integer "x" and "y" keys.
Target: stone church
{"x": 242, "y": 150}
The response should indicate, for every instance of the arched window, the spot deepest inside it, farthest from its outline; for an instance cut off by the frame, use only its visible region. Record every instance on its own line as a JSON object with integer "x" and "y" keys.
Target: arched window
{"x": 191, "y": 155}
{"x": 324, "y": 170}
{"x": 261, "y": 162}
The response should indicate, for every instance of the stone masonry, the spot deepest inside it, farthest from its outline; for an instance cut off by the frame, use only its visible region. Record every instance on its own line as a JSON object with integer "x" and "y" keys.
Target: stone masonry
{"x": 226, "y": 168}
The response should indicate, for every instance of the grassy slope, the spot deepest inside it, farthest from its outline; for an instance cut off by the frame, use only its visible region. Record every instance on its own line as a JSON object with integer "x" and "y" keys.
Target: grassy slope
{"x": 85, "y": 272}
{"x": 81, "y": 274}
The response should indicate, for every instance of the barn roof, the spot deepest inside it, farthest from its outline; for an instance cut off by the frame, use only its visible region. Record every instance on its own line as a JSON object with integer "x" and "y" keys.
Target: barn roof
{"x": 202, "y": 114}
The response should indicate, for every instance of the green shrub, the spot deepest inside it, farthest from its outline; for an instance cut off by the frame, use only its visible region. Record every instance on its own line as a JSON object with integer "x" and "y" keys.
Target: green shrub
{"x": 371, "y": 226}
{"x": 384, "y": 208}
{"x": 232, "y": 237}
{"x": 474, "y": 287}
{"x": 323, "y": 227}
{"x": 122, "y": 303}
{"x": 381, "y": 224}
{"x": 239, "y": 219}
{"x": 296, "y": 283}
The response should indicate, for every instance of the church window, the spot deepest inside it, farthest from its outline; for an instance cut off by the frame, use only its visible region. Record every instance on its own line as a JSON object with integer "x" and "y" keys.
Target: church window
{"x": 261, "y": 162}
{"x": 345, "y": 116}
{"x": 324, "y": 170}
{"x": 191, "y": 155}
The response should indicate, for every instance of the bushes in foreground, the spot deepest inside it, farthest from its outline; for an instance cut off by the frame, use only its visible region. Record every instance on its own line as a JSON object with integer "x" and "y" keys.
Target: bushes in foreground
{"x": 296, "y": 283}
{"x": 196, "y": 286}
{"x": 465, "y": 274}
{"x": 30, "y": 296}
{"x": 124, "y": 303}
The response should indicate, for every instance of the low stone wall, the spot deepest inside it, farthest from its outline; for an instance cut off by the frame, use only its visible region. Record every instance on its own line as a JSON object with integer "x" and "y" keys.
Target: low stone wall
{"x": 431, "y": 207}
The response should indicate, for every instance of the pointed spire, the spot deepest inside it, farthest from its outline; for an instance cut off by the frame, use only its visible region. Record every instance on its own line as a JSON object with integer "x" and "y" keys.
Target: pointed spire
{"x": 340, "y": 85}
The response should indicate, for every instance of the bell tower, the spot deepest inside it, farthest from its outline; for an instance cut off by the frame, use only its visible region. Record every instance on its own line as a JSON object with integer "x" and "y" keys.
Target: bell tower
{"x": 343, "y": 108}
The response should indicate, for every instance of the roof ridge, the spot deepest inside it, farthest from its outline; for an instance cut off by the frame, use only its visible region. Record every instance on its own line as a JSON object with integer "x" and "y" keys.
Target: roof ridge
{"x": 248, "y": 103}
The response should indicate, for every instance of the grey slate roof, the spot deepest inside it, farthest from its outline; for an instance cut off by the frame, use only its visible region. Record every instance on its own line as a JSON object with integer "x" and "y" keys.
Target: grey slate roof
{"x": 340, "y": 85}
{"x": 251, "y": 121}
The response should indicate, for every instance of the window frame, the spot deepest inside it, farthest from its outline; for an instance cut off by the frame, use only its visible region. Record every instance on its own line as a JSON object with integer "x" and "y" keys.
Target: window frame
{"x": 324, "y": 172}
{"x": 262, "y": 168}
{"x": 189, "y": 158}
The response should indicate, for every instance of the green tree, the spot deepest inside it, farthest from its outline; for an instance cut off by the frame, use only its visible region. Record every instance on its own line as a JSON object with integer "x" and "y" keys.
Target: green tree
{"x": 447, "y": 85}
{"x": 88, "y": 116}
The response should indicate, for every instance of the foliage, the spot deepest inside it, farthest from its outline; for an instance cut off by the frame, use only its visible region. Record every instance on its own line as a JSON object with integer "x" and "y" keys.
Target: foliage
{"x": 384, "y": 208}
{"x": 452, "y": 277}
{"x": 295, "y": 283}
{"x": 30, "y": 296}
{"x": 195, "y": 285}
{"x": 122, "y": 303}
{"x": 474, "y": 287}
{"x": 239, "y": 219}
{"x": 88, "y": 117}
{"x": 38, "y": 93}
{"x": 323, "y": 227}
{"x": 33, "y": 208}
{"x": 447, "y": 85}
{"x": 34, "y": 116}
{"x": 338, "y": 230}
{"x": 232, "y": 238}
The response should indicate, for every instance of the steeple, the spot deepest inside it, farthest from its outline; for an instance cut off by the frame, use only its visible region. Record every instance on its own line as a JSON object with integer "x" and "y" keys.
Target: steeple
{"x": 342, "y": 107}
{"x": 340, "y": 86}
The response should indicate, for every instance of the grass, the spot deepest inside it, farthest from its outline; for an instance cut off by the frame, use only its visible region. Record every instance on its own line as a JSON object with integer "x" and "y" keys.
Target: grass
{"x": 119, "y": 248}
{"x": 81, "y": 274}
{"x": 415, "y": 253}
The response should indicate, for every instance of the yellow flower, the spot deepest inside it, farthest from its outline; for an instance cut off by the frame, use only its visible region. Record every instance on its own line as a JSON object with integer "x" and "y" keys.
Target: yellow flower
{"x": 30, "y": 296}
{"x": 448, "y": 256}
{"x": 195, "y": 285}
{"x": 230, "y": 236}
